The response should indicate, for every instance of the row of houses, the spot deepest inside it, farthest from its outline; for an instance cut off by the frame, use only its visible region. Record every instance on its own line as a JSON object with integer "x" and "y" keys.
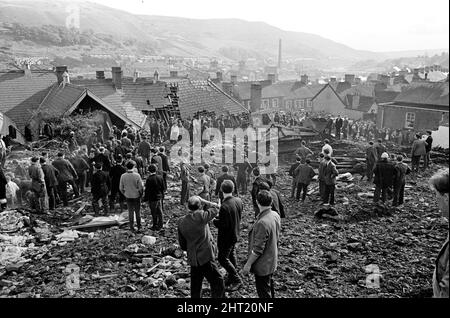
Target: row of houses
{"x": 28, "y": 97}
{"x": 392, "y": 103}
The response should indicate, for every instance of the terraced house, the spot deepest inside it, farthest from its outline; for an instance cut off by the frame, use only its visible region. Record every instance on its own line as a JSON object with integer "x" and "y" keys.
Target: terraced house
{"x": 29, "y": 97}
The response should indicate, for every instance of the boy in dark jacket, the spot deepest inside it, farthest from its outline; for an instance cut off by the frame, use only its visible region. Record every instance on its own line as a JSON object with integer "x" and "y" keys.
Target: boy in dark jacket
{"x": 400, "y": 181}
{"x": 292, "y": 174}
{"x": 228, "y": 223}
{"x": 154, "y": 193}
{"x": 116, "y": 172}
{"x": 385, "y": 175}
{"x": 100, "y": 189}
{"x": 305, "y": 173}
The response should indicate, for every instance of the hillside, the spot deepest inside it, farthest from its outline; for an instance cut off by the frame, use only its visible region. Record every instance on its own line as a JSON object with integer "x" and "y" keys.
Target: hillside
{"x": 222, "y": 38}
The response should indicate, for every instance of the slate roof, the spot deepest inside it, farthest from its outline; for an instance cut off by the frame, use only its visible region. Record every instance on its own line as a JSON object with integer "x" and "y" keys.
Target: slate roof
{"x": 286, "y": 89}
{"x": 301, "y": 93}
{"x": 279, "y": 89}
{"x": 427, "y": 94}
{"x": 385, "y": 96}
{"x": 132, "y": 99}
{"x": 60, "y": 99}
{"x": 20, "y": 95}
{"x": 339, "y": 87}
{"x": 365, "y": 103}
{"x": 197, "y": 96}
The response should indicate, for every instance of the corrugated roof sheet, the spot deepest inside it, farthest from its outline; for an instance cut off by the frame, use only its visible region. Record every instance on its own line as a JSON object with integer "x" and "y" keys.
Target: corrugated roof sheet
{"x": 21, "y": 95}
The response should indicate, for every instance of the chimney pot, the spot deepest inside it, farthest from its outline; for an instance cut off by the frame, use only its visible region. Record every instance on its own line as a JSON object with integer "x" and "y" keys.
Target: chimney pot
{"x": 60, "y": 70}
{"x": 304, "y": 79}
{"x": 100, "y": 74}
{"x": 255, "y": 97}
{"x": 66, "y": 78}
{"x": 350, "y": 78}
{"x": 117, "y": 76}
{"x": 219, "y": 76}
{"x": 271, "y": 77}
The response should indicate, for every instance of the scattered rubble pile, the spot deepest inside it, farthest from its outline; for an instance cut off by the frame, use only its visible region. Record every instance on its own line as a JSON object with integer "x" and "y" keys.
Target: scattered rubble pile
{"x": 323, "y": 252}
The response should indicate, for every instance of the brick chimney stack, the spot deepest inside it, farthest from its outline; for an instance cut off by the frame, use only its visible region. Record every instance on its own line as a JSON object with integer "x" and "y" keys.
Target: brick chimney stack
{"x": 350, "y": 78}
{"x": 174, "y": 74}
{"x": 234, "y": 79}
{"x": 59, "y": 71}
{"x": 272, "y": 77}
{"x": 279, "y": 55}
{"x": 333, "y": 79}
{"x": 227, "y": 88}
{"x": 117, "y": 76}
{"x": 255, "y": 97}
{"x": 304, "y": 79}
{"x": 100, "y": 75}
{"x": 219, "y": 76}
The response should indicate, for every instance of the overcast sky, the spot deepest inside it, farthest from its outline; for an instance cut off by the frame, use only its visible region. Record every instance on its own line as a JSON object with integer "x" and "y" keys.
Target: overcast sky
{"x": 375, "y": 25}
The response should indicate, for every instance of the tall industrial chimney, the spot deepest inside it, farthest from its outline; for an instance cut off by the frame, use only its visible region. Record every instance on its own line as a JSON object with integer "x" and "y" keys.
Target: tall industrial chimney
{"x": 279, "y": 54}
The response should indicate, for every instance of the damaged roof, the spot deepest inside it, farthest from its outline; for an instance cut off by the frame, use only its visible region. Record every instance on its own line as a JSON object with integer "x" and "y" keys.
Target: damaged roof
{"x": 203, "y": 95}
{"x": 21, "y": 94}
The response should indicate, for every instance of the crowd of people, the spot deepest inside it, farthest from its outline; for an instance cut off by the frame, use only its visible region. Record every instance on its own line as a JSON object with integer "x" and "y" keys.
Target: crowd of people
{"x": 345, "y": 128}
{"x": 115, "y": 171}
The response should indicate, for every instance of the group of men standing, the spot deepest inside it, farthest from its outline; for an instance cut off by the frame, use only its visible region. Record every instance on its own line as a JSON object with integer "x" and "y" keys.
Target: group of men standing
{"x": 195, "y": 237}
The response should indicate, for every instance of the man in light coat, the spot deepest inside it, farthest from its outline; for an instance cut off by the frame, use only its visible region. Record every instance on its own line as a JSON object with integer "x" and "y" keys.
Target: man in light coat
{"x": 263, "y": 246}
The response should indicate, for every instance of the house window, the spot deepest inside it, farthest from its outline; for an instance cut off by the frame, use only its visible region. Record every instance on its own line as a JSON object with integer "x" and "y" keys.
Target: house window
{"x": 309, "y": 103}
{"x": 265, "y": 104}
{"x": 289, "y": 104}
{"x": 275, "y": 102}
{"x": 297, "y": 104}
{"x": 410, "y": 120}
{"x": 302, "y": 104}
{"x": 248, "y": 104}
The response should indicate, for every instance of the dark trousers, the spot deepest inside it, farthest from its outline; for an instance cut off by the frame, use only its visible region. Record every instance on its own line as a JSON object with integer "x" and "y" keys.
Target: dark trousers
{"x": 399, "y": 191}
{"x": 104, "y": 198}
{"x": 415, "y": 163}
{"x": 369, "y": 170}
{"x": 264, "y": 286}
{"x": 294, "y": 187}
{"x": 134, "y": 206}
{"x": 81, "y": 181}
{"x": 344, "y": 133}
{"x": 241, "y": 183}
{"x": 164, "y": 175}
{"x": 322, "y": 189}
{"x": 256, "y": 209}
{"x": 184, "y": 191}
{"x": 74, "y": 187}
{"x": 426, "y": 159}
{"x": 113, "y": 197}
{"x": 380, "y": 191}
{"x": 302, "y": 187}
{"x": 51, "y": 192}
{"x": 227, "y": 260}
{"x": 338, "y": 133}
{"x": 210, "y": 271}
{"x": 328, "y": 196}
{"x": 157, "y": 214}
{"x": 62, "y": 189}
